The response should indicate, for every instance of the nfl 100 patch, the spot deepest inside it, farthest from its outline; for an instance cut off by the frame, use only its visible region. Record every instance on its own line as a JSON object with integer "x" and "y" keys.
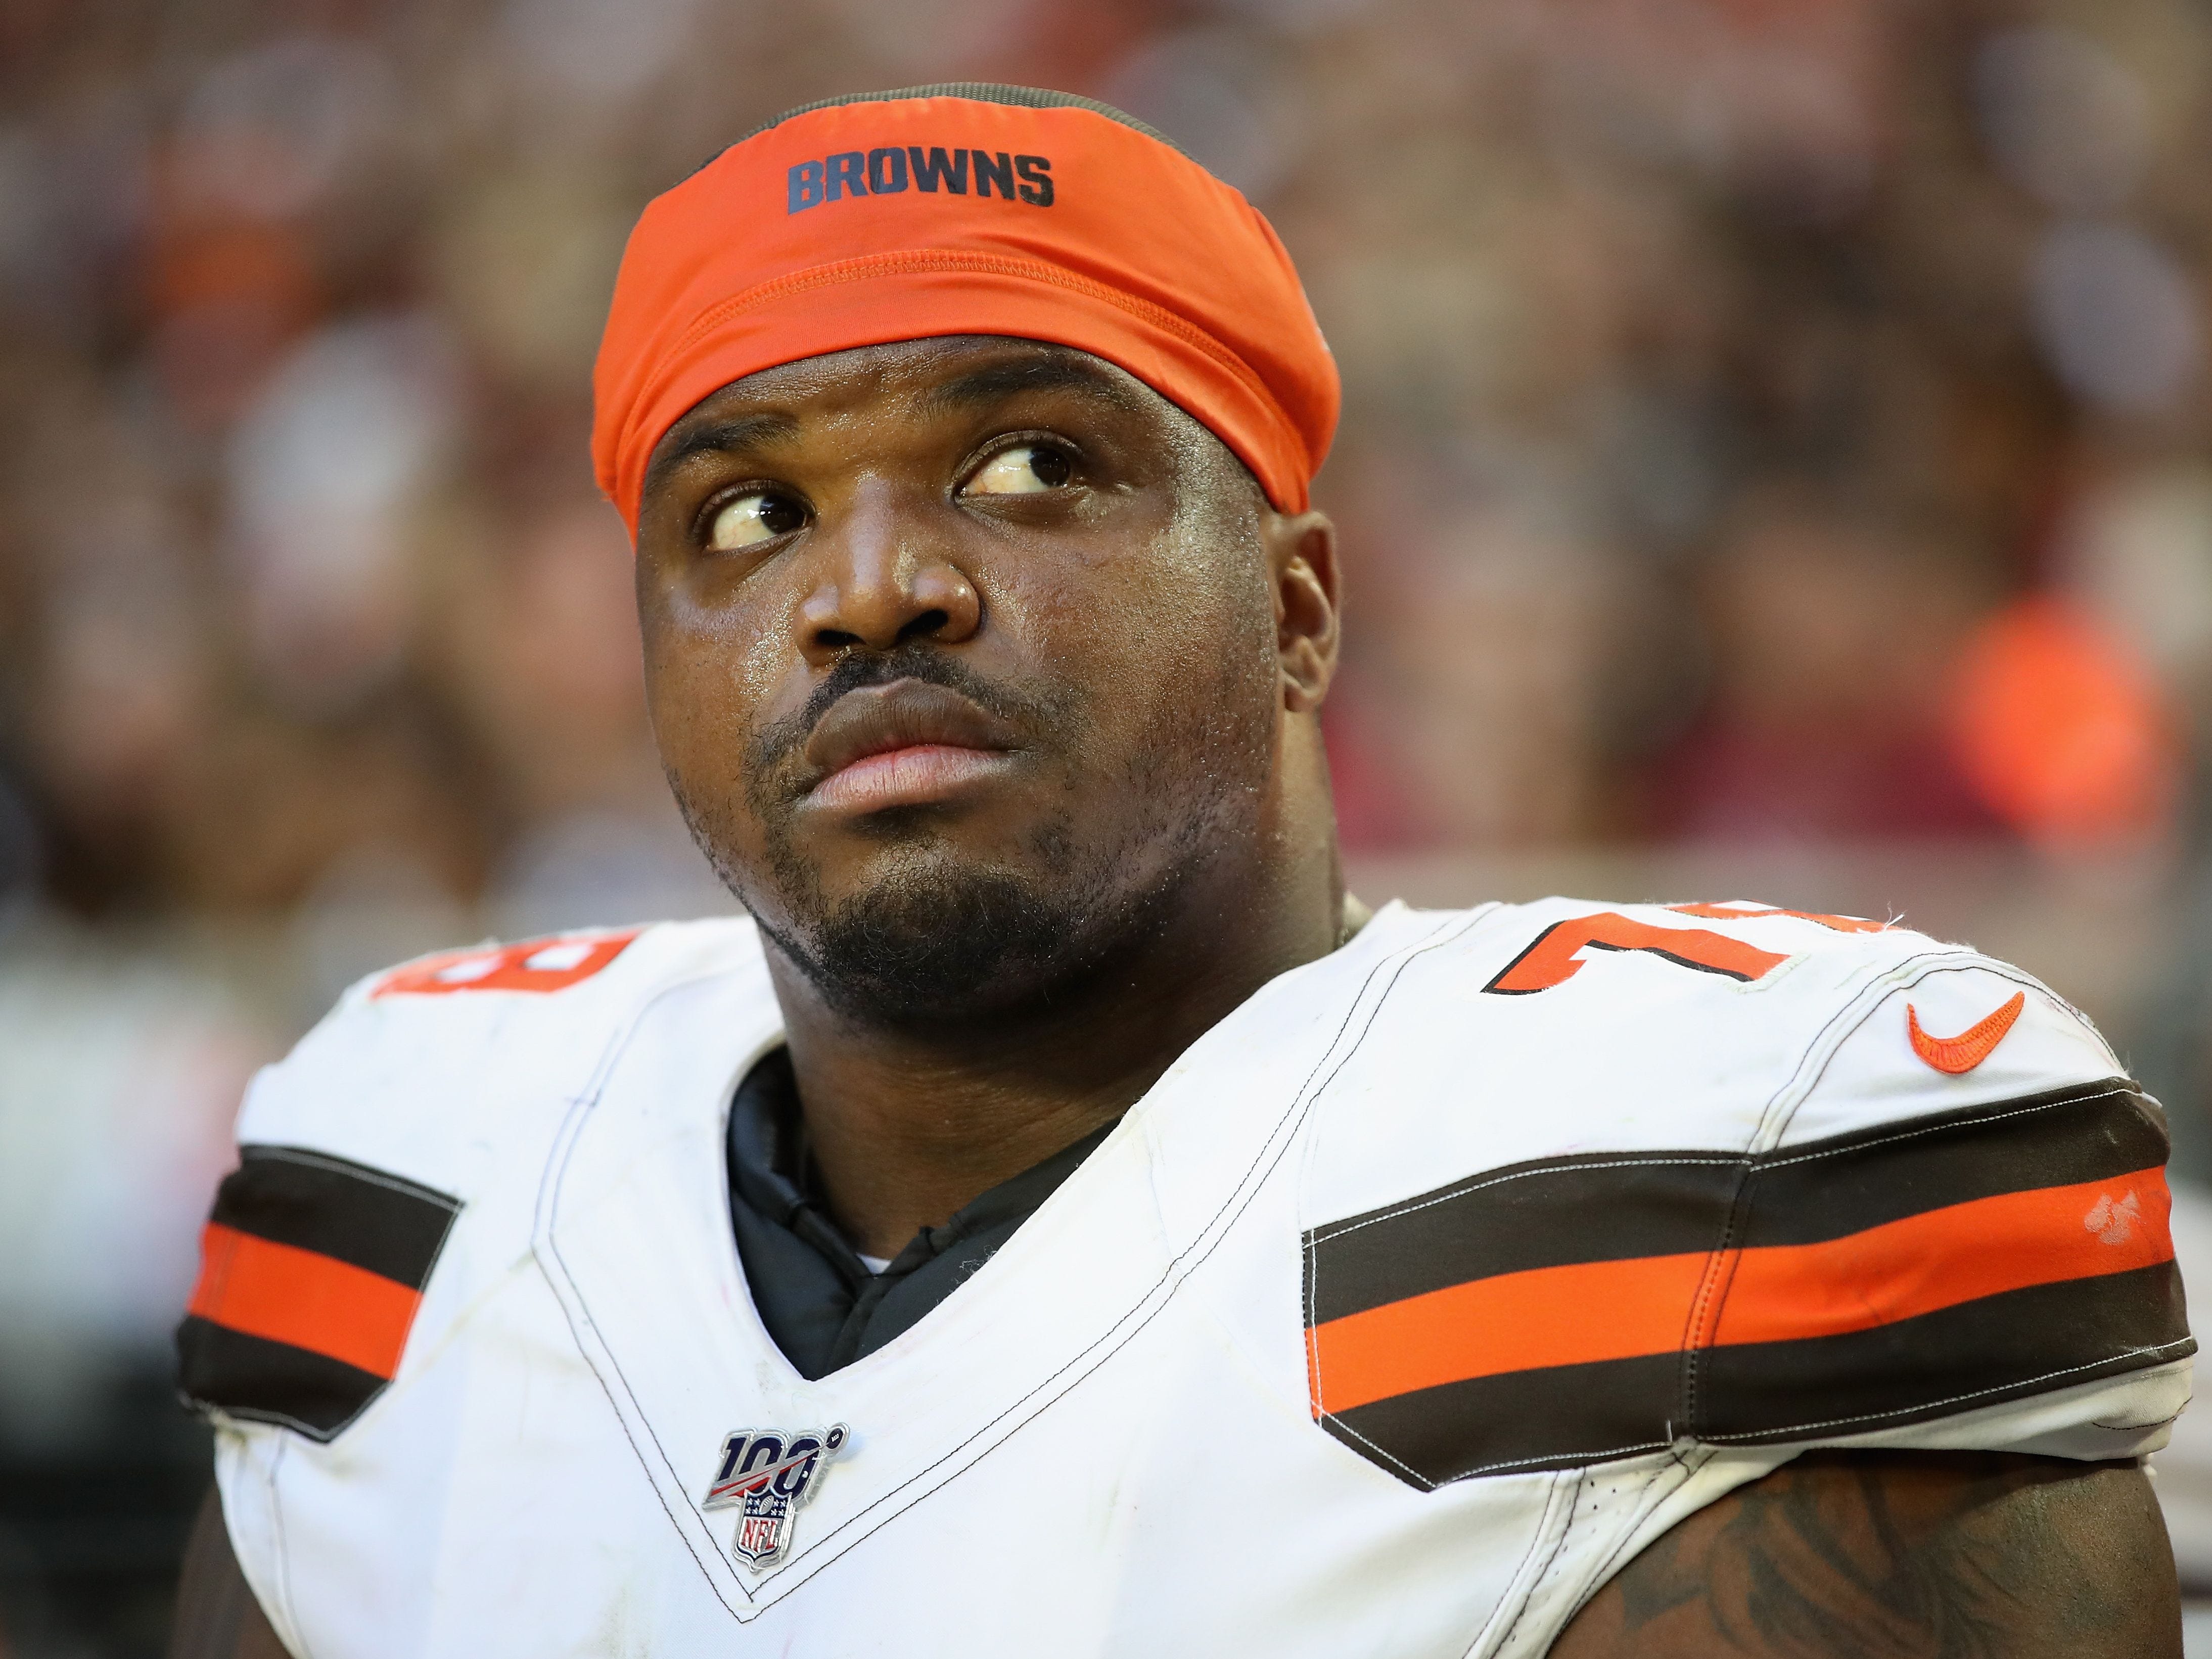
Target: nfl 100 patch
{"x": 766, "y": 1474}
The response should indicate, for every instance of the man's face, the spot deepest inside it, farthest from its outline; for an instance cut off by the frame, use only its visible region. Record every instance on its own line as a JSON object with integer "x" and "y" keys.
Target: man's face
{"x": 964, "y": 661}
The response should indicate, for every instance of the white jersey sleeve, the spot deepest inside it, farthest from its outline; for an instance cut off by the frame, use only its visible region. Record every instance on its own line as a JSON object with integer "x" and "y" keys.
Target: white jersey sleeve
{"x": 1959, "y": 1236}
{"x": 1733, "y": 1182}
{"x": 381, "y": 1212}
{"x": 1958, "y": 1241}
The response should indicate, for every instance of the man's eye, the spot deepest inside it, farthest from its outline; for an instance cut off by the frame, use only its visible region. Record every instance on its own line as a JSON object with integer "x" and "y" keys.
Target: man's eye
{"x": 760, "y": 515}
{"x": 1020, "y": 472}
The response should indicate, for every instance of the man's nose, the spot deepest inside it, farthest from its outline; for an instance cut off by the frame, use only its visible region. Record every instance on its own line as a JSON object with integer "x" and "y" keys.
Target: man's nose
{"x": 884, "y": 576}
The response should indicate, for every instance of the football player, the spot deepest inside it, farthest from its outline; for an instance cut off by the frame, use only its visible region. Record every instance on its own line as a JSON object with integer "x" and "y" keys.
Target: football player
{"x": 1059, "y": 1220}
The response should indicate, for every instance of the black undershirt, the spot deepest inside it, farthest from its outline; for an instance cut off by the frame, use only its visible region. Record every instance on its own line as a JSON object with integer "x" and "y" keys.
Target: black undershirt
{"x": 816, "y": 1297}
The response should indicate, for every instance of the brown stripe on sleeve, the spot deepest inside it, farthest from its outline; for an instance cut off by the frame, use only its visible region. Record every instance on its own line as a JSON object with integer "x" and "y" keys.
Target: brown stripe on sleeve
{"x": 1556, "y": 1418}
{"x": 1846, "y": 1183}
{"x": 271, "y": 1382}
{"x": 1977, "y": 1353}
{"x": 1553, "y": 1213}
{"x": 336, "y": 1207}
{"x": 312, "y": 1272}
{"x": 1550, "y": 1314}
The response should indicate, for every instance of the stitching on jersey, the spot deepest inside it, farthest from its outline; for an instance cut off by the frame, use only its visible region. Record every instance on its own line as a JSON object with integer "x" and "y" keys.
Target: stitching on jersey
{"x": 1837, "y": 1030}
{"x": 1879, "y": 990}
{"x": 1688, "y": 1459}
{"x": 883, "y": 1511}
{"x": 1721, "y": 1266}
{"x": 1730, "y": 1259}
{"x": 1426, "y": 1485}
{"x": 1713, "y": 1286}
{"x": 2026, "y": 1384}
{"x": 580, "y": 1109}
{"x": 1520, "y": 1569}
{"x": 1722, "y": 1262}
{"x": 1309, "y": 1294}
{"x": 1714, "y": 1290}
{"x": 1301, "y": 1102}
{"x": 1412, "y": 1475}
{"x": 1312, "y": 1287}
{"x": 2104, "y": 1092}
{"x": 1605, "y": 1455}
{"x": 1016, "y": 1405}
{"x": 1719, "y": 1274}
{"x": 682, "y": 1531}
{"x": 1559, "y": 1545}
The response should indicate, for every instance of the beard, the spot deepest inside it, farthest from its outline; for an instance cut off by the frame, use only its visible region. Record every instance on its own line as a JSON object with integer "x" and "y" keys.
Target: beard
{"x": 949, "y": 942}
{"x": 942, "y": 936}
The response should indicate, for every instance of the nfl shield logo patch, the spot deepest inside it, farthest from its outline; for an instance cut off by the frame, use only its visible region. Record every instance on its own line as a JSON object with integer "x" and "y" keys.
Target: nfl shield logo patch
{"x": 765, "y": 1474}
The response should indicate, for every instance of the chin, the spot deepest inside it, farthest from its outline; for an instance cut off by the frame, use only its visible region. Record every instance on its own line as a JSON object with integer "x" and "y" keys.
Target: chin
{"x": 924, "y": 947}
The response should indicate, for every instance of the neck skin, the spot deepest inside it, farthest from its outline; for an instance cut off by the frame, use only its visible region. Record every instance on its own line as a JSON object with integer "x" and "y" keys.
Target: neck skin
{"x": 906, "y": 1127}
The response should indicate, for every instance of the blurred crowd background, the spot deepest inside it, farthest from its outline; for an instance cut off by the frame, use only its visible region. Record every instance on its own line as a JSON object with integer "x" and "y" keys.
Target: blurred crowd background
{"x": 1773, "y": 465}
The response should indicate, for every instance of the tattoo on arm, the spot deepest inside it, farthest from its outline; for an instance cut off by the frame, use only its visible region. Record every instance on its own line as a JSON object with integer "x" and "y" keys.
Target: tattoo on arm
{"x": 1902, "y": 1555}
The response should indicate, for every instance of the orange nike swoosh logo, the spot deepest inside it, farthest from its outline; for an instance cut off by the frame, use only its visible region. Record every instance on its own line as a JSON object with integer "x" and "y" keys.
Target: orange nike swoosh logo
{"x": 1972, "y": 1046}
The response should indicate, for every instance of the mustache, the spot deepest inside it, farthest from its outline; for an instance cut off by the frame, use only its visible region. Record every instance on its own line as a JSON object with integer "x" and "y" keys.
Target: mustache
{"x": 777, "y": 744}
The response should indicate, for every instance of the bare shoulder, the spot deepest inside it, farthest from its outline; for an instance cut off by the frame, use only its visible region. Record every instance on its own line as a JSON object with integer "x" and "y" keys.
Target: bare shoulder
{"x": 1903, "y": 1555}
{"x": 217, "y": 1617}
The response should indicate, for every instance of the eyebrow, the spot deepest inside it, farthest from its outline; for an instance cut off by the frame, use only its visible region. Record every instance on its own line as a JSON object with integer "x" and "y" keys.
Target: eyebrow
{"x": 996, "y": 382}
{"x": 742, "y": 433}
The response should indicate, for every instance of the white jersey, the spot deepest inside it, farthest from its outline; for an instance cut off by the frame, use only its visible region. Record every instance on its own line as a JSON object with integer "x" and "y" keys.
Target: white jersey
{"x": 1423, "y": 1290}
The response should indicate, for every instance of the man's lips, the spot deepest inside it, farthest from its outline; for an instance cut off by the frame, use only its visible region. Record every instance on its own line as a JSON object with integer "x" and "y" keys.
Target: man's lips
{"x": 901, "y": 745}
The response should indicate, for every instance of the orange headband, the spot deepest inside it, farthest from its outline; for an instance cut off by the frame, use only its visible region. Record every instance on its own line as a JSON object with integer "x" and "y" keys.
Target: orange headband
{"x": 964, "y": 209}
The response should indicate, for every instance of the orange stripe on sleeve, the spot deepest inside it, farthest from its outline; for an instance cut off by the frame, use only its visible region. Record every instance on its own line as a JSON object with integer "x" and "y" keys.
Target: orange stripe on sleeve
{"x": 1599, "y": 1311}
{"x": 1516, "y": 1322}
{"x": 1941, "y": 1258}
{"x": 284, "y": 1294}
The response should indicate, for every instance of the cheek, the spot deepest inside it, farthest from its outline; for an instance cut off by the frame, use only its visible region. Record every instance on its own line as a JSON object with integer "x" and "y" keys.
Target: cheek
{"x": 710, "y": 669}
{"x": 1171, "y": 659}
{"x": 1127, "y": 600}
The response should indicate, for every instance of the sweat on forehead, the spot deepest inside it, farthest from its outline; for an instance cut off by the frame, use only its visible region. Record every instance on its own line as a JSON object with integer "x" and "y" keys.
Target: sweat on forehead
{"x": 964, "y": 211}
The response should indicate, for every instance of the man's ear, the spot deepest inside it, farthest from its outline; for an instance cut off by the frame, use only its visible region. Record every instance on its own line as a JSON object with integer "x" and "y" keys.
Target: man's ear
{"x": 1301, "y": 568}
